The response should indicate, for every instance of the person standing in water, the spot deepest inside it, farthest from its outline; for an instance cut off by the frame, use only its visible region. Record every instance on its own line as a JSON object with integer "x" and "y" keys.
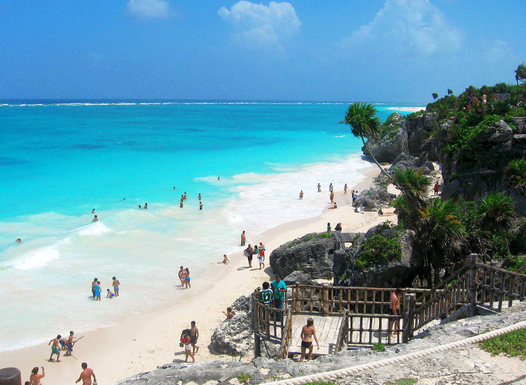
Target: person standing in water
{"x": 115, "y": 285}
{"x": 307, "y": 332}
{"x": 243, "y": 238}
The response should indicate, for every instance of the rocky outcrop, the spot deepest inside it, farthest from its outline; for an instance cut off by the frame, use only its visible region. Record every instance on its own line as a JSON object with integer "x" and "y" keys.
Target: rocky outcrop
{"x": 394, "y": 274}
{"x": 393, "y": 143}
{"x": 297, "y": 278}
{"x": 234, "y": 336}
{"x": 310, "y": 254}
{"x": 373, "y": 199}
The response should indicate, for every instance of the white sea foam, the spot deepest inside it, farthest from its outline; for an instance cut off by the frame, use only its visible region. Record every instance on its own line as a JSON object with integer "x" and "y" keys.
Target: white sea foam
{"x": 407, "y": 109}
{"x": 38, "y": 258}
{"x": 95, "y": 228}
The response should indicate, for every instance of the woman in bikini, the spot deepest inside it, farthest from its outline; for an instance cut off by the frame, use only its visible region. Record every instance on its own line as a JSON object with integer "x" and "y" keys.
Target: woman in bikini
{"x": 307, "y": 332}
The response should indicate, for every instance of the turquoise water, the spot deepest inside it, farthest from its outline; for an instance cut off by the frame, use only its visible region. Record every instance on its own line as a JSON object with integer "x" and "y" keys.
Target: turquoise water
{"x": 61, "y": 160}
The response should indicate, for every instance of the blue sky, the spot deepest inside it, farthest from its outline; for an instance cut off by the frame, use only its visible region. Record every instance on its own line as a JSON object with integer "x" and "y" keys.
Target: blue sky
{"x": 367, "y": 50}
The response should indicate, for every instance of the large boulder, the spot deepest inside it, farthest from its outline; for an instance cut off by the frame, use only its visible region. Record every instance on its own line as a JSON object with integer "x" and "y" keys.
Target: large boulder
{"x": 297, "y": 278}
{"x": 373, "y": 199}
{"x": 393, "y": 274}
{"x": 310, "y": 254}
{"x": 393, "y": 143}
{"x": 234, "y": 336}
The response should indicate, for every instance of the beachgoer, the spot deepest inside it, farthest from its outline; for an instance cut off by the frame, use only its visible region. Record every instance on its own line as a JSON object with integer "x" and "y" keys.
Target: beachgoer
{"x": 182, "y": 275}
{"x": 55, "y": 348}
{"x": 95, "y": 218}
{"x": 249, "y": 251}
{"x": 334, "y": 205}
{"x": 93, "y": 211}
{"x": 380, "y": 212}
{"x": 110, "y": 294}
{"x": 35, "y": 377}
{"x": 329, "y": 227}
{"x": 266, "y": 295}
{"x": 218, "y": 178}
{"x": 319, "y": 187}
{"x": 93, "y": 286}
{"x": 261, "y": 255}
{"x": 145, "y": 205}
{"x": 194, "y": 335}
{"x": 301, "y": 194}
{"x": 331, "y": 187}
{"x": 187, "y": 284}
{"x": 331, "y": 197}
{"x": 229, "y": 313}
{"x": 199, "y": 196}
{"x": 279, "y": 289}
{"x": 307, "y": 332}
{"x": 18, "y": 240}
{"x": 184, "y": 195}
{"x": 97, "y": 290}
{"x": 394, "y": 305}
{"x": 140, "y": 206}
{"x": 345, "y": 189}
{"x": 116, "y": 284}
{"x": 256, "y": 251}
{"x": 225, "y": 260}
{"x": 243, "y": 238}
{"x": 435, "y": 188}
{"x": 186, "y": 340}
{"x": 181, "y": 203}
{"x": 86, "y": 375}
{"x": 70, "y": 342}
{"x": 338, "y": 227}
{"x": 200, "y": 205}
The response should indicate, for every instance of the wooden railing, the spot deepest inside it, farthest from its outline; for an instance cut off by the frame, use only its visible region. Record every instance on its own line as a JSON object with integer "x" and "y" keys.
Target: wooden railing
{"x": 369, "y": 329}
{"x": 497, "y": 286}
{"x": 287, "y": 337}
{"x": 342, "y": 340}
{"x": 267, "y": 321}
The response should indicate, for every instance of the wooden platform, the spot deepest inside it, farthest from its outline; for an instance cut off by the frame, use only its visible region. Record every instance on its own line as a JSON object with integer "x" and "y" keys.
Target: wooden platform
{"x": 327, "y": 329}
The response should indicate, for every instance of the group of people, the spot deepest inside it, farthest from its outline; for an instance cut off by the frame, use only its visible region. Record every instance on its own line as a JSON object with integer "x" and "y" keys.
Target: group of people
{"x": 258, "y": 251}
{"x": 85, "y": 376}
{"x": 59, "y": 344}
{"x": 96, "y": 290}
{"x": 184, "y": 197}
{"x": 188, "y": 340}
{"x": 184, "y": 277}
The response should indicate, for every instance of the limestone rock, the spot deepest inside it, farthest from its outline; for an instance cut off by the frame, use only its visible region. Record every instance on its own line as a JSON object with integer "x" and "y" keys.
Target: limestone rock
{"x": 373, "y": 199}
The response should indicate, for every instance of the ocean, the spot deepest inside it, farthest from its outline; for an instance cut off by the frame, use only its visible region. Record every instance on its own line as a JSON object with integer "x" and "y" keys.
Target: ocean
{"x": 60, "y": 160}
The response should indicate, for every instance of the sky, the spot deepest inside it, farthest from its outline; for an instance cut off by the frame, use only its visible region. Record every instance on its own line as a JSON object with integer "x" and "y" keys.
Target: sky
{"x": 323, "y": 50}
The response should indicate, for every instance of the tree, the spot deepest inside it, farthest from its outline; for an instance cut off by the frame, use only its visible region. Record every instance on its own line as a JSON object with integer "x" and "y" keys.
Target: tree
{"x": 449, "y": 91}
{"x": 439, "y": 238}
{"x": 434, "y": 95}
{"x": 520, "y": 73}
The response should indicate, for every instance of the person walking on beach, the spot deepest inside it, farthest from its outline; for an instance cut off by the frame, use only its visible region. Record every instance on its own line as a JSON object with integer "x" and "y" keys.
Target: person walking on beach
{"x": 35, "y": 377}
{"x": 331, "y": 187}
{"x": 256, "y": 251}
{"x": 187, "y": 284}
{"x": 86, "y": 375}
{"x": 394, "y": 305}
{"x": 182, "y": 275}
{"x": 307, "y": 332}
{"x": 279, "y": 289}
{"x": 243, "y": 238}
{"x": 194, "y": 335}
{"x": 70, "y": 342}
{"x": 319, "y": 187}
{"x": 332, "y": 196}
{"x": 345, "y": 189}
{"x": 115, "y": 285}
{"x": 55, "y": 348}
{"x": 186, "y": 340}
{"x": 261, "y": 255}
{"x": 249, "y": 251}
{"x": 301, "y": 194}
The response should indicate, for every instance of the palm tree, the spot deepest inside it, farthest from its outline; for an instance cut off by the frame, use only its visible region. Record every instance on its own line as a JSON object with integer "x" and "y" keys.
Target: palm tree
{"x": 439, "y": 238}
{"x": 496, "y": 213}
{"x": 520, "y": 73}
{"x": 364, "y": 123}
{"x": 434, "y": 95}
{"x": 449, "y": 91}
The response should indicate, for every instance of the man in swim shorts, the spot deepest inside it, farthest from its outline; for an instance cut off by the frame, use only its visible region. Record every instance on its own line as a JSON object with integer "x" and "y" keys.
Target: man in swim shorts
{"x": 243, "y": 238}
{"x": 86, "y": 374}
{"x": 116, "y": 285}
{"x": 182, "y": 274}
{"x": 194, "y": 335}
{"x": 55, "y": 348}
{"x": 307, "y": 332}
{"x": 249, "y": 251}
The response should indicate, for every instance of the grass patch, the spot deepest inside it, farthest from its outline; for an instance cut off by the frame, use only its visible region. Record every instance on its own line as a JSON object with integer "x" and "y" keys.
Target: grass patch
{"x": 308, "y": 238}
{"x": 243, "y": 377}
{"x": 402, "y": 381}
{"x": 379, "y": 347}
{"x": 512, "y": 344}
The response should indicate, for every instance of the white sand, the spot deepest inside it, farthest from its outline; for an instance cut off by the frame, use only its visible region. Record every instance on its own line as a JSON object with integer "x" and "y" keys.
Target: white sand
{"x": 142, "y": 342}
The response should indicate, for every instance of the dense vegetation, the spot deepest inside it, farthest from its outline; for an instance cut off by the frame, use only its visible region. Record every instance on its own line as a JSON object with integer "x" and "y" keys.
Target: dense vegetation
{"x": 447, "y": 231}
{"x": 381, "y": 248}
{"x": 511, "y": 344}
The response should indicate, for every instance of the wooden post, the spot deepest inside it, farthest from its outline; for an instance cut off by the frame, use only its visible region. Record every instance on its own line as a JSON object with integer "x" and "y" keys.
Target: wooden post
{"x": 10, "y": 376}
{"x": 257, "y": 345}
{"x": 409, "y": 307}
{"x": 473, "y": 285}
{"x": 325, "y": 301}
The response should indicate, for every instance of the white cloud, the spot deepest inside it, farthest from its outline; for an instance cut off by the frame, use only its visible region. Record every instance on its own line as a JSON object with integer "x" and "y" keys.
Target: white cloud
{"x": 262, "y": 25}
{"x": 414, "y": 27}
{"x": 149, "y": 9}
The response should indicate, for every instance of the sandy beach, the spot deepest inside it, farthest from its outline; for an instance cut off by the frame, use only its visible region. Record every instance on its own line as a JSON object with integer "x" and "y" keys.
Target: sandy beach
{"x": 142, "y": 342}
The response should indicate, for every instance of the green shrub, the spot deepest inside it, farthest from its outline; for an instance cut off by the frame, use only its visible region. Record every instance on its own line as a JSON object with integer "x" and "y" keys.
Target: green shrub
{"x": 243, "y": 377}
{"x": 512, "y": 344}
{"x": 379, "y": 347}
{"x": 379, "y": 250}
